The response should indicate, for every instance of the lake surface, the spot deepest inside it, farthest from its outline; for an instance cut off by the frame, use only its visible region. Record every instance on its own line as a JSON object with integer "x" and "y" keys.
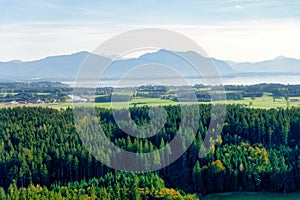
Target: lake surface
{"x": 251, "y": 80}
{"x": 239, "y": 80}
{"x": 252, "y": 196}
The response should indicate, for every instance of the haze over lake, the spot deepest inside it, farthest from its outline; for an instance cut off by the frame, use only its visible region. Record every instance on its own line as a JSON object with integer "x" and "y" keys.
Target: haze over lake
{"x": 238, "y": 80}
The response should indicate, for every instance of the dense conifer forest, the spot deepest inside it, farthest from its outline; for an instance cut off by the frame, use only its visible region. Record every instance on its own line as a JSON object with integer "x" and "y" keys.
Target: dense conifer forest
{"x": 42, "y": 156}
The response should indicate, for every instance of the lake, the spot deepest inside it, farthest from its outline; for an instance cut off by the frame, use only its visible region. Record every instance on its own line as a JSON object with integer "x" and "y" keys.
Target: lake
{"x": 252, "y": 196}
{"x": 238, "y": 80}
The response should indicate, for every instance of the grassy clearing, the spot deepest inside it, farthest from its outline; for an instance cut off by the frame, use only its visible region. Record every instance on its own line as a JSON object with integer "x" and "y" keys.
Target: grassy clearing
{"x": 4, "y": 94}
{"x": 42, "y": 93}
{"x": 256, "y": 196}
{"x": 265, "y": 102}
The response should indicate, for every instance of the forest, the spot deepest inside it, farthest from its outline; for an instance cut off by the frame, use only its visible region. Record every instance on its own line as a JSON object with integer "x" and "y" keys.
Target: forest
{"x": 42, "y": 156}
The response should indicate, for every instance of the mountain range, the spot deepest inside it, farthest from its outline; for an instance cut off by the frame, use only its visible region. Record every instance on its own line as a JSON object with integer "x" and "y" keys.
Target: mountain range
{"x": 279, "y": 64}
{"x": 65, "y": 67}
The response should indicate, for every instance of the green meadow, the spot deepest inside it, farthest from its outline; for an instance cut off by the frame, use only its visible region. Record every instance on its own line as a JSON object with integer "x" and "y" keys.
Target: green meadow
{"x": 252, "y": 196}
{"x": 265, "y": 102}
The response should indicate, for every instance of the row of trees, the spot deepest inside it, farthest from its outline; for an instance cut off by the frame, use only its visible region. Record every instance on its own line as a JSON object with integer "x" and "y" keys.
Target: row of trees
{"x": 278, "y": 90}
{"x": 117, "y": 186}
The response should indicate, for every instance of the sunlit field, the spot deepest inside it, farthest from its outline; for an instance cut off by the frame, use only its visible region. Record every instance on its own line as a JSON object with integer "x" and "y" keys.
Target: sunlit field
{"x": 254, "y": 196}
{"x": 265, "y": 102}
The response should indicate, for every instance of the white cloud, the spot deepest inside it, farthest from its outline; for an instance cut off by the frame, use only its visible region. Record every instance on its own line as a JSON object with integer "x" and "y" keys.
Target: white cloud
{"x": 245, "y": 41}
{"x": 237, "y": 41}
{"x": 36, "y": 40}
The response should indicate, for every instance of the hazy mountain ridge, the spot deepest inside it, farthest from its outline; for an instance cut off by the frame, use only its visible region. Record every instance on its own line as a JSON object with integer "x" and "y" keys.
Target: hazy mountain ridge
{"x": 279, "y": 64}
{"x": 65, "y": 67}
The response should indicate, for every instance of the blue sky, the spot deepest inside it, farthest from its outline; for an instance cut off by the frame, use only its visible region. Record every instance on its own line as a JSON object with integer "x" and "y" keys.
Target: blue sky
{"x": 238, "y": 30}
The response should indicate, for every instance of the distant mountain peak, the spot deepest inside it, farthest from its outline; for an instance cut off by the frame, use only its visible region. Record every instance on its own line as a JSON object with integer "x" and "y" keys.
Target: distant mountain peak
{"x": 16, "y": 61}
{"x": 166, "y": 51}
{"x": 81, "y": 52}
{"x": 280, "y": 64}
{"x": 281, "y": 57}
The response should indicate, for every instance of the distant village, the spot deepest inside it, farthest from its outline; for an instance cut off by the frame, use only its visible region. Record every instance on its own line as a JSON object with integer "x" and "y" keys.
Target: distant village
{"x": 74, "y": 99}
{"x": 25, "y": 102}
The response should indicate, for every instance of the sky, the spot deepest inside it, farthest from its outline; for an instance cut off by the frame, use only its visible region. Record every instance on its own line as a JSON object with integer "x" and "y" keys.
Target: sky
{"x": 236, "y": 30}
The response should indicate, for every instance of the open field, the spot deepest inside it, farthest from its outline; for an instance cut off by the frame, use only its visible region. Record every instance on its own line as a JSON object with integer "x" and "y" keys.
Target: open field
{"x": 138, "y": 102}
{"x": 250, "y": 196}
{"x": 265, "y": 102}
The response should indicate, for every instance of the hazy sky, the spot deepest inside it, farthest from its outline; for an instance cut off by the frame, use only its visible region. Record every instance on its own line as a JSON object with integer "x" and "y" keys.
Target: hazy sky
{"x": 237, "y": 30}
